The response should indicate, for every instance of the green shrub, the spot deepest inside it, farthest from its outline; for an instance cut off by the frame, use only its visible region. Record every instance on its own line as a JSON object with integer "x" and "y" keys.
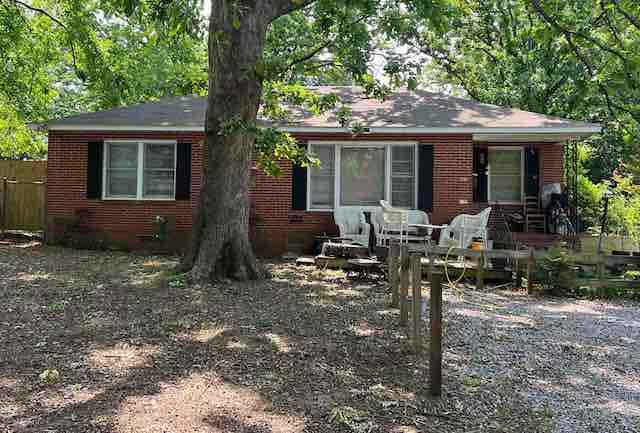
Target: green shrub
{"x": 632, "y": 275}
{"x": 557, "y": 272}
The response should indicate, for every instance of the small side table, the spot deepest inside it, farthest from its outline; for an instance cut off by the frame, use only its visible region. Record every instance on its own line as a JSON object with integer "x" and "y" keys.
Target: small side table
{"x": 319, "y": 240}
{"x": 364, "y": 267}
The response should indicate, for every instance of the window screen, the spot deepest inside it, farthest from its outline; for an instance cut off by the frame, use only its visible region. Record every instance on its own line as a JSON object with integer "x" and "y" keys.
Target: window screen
{"x": 403, "y": 176}
{"x": 362, "y": 176}
{"x": 322, "y": 177}
{"x": 122, "y": 170}
{"x": 505, "y": 178}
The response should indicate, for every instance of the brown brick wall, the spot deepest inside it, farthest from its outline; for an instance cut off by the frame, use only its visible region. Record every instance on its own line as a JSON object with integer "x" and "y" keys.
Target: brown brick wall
{"x": 275, "y": 228}
{"x": 123, "y": 222}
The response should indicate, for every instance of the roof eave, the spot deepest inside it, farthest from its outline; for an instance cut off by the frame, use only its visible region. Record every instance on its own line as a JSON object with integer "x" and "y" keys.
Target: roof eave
{"x": 480, "y": 132}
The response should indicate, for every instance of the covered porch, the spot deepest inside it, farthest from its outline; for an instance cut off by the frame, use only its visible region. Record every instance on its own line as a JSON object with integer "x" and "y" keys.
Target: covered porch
{"x": 516, "y": 177}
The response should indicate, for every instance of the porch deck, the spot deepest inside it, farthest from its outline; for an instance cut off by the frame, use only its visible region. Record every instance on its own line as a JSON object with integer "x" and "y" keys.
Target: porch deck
{"x": 540, "y": 241}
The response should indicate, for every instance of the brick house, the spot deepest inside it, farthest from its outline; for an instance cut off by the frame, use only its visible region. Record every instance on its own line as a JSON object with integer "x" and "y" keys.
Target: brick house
{"x": 111, "y": 173}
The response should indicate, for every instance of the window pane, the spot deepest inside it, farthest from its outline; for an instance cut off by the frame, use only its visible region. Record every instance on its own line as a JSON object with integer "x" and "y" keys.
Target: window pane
{"x": 122, "y": 182}
{"x": 402, "y": 176}
{"x": 122, "y": 170}
{"x": 505, "y": 188}
{"x": 123, "y": 155}
{"x": 505, "y": 175}
{"x": 158, "y": 183}
{"x": 362, "y": 176}
{"x": 322, "y": 177}
{"x": 157, "y": 155}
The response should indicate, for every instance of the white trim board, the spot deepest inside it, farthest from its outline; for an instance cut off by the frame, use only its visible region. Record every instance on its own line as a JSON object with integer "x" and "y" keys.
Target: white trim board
{"x": 480, "y": 133}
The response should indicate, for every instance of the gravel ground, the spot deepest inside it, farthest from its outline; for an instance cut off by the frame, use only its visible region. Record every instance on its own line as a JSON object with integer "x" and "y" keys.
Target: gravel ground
{"x": 575, "y": 362}
{"x": 307, "y": 351}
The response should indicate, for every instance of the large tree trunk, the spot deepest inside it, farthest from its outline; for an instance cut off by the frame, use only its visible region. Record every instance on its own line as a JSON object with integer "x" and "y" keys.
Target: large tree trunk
{"x": 220, "y": 242}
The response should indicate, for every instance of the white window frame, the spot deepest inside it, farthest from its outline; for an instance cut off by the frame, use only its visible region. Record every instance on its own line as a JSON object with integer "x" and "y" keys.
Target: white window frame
{"x": 512, "y": 149}
{"x": 140, "y": 168}
{"x": 339, "y": 145}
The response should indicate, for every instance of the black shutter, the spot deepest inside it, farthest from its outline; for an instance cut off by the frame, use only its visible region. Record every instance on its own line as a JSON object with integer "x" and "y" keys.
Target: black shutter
{"x": 480, "y": 184}
{"x": 531, "y": 172}
{"x": 183, "y": 171}
{"x": 95, "y": 152}
{"x": 299, "y": 186}
{"x": 425, "y": 177}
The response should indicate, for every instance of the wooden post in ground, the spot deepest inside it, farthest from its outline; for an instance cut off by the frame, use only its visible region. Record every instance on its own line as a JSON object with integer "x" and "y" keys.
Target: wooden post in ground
{"x": 394, "y": 263}
{"x": 435, "y": 342}
{"x": 3, "y": 203}
{"x": 416, "y": 285}
{"x": 530, "y": 265}
{"x": 405, "y": 269}
{"x": 430, "y": 260}
{"x": 518, "y": 272}
{"x": 602, "y": 282}
{"x": 480, "y": 271}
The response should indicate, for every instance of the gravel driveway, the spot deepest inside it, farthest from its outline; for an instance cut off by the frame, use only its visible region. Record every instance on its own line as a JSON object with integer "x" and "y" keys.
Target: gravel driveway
{"x": 307, "y": 351}
{"x": 575, "y": 362}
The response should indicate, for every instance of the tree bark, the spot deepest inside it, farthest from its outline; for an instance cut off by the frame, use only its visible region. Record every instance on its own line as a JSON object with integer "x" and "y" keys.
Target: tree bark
{"x": 220, "y": 246}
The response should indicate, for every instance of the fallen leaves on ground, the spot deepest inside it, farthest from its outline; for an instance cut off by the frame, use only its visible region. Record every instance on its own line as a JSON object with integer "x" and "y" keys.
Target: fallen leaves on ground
{"x": 306, "y": 351}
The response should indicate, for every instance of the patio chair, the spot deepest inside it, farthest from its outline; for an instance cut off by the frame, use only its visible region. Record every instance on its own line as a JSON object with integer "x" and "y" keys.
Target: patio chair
{"x": 393, "y": 223}
{"x": 352, "y": 224}
{"x": 464, "y": 228}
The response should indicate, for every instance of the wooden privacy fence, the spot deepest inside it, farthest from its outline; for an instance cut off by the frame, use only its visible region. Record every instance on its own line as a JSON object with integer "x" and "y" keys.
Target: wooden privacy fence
{"x": 22, "y": 195}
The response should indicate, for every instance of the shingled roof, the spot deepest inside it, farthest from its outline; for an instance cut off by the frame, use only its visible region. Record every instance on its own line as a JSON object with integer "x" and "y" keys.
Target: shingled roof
{"x": 418, "y": 111}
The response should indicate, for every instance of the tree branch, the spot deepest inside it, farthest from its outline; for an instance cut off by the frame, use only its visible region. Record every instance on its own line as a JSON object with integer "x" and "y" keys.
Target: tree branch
{"x": 58, "y": 22}
{"x": 448, "y": 65}
{"x": 315, "y": 51}
{"x": 284, "y": 7}
{"x": 633, "y": 20}
{"x": 555, "y": 24}
{"x": 568, "y": 36}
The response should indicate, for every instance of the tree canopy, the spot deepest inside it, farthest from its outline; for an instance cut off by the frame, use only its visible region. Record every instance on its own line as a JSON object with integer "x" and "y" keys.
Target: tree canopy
{"x": 576, "y": 59}
{"x": 59, "y": 58}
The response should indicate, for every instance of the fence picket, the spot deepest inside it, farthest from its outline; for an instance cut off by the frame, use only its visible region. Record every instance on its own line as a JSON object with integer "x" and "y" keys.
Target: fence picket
{"x": 22, "y": 204}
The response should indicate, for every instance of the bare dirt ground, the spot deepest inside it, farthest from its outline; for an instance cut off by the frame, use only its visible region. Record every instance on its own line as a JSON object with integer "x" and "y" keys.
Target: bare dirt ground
{"x": 304, "y": 351}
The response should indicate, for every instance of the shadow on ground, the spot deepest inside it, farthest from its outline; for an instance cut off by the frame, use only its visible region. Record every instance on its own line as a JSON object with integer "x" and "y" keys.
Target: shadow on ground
{"x": 304, "y": 351}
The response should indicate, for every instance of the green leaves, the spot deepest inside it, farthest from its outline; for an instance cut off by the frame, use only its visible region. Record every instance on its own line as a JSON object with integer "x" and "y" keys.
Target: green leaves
{"x": 125, "y": 51}
{"x": 274, "y": 146}
{"x": 17, "y": 141}
{"x": 575, "y": 59}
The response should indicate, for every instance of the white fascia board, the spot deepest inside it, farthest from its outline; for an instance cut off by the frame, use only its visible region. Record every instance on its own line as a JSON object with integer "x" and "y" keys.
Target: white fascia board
{"x": 160, "y": 128}
{"x": 567, "y": 131}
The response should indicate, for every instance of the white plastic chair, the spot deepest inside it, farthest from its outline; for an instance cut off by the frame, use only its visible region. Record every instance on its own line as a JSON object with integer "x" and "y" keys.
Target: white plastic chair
{"x": 352, "y": 224}
{"x": 394, "y": 223}
{"x": 464, "y": 228}
{"x": 398, "y": 224}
